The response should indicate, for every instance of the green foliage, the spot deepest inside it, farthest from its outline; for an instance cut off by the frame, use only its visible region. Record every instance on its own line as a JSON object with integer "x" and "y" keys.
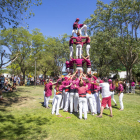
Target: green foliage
{"x": 12, "y": 11}
{"x": 114, "y": 28}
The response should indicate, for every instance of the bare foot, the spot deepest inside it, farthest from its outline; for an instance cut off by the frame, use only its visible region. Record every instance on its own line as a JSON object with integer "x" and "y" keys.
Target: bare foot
{"x": 99, "y": 116}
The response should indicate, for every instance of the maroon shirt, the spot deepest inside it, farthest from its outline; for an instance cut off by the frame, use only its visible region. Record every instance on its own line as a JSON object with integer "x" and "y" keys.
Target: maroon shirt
{"x": 78, "y": 62}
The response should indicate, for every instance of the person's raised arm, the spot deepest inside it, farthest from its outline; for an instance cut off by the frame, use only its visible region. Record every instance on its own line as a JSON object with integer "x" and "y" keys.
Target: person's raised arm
{"x": 83, "y": 56}
{"x": 68, "y": 85}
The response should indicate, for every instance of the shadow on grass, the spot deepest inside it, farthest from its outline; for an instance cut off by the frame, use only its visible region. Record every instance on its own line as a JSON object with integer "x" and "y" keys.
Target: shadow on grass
{"x": 7, "y": 102}
{"x": 23, "y": 90}
{"x": 25, "y": 127}
{"x": 115, "y": 107}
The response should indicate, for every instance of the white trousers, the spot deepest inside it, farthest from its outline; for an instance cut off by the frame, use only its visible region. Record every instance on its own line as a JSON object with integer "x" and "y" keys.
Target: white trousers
{"x": 120, "y": 100}
{"x": 44, "y": 98}
{"x": 71, "y": 51}
{"x": 63, "y": 99}
{"x": 54, "y": 95}
{"x": 127, "y": 89}
{"x": 83, "y": 28}
{"x": 88, "y": 70}
{"x": 90, "y": 101}
{"x": 66, "y": 100}
{"x": 71, "y": 101}
{"x": 82, "y": 105}
{"x": 79, "y": 69}
{"x": 87, "y": 49}
{"x": 67, "y": 70}
{"x": 56, "y": 104}
{"x": 112, "y": 96}
{"x": 76, "y": 99}
{"x": 98, "y": 102}
{"x": 94, "y": 96}
{"x": 78, "y": 50}
{"x": 133, "y": 89}
{"x": 47, "y": 101}
{"x": 74, "y": 31}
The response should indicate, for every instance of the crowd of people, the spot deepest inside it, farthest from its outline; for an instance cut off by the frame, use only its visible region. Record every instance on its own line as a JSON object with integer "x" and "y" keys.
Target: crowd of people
{"x": 75, "y": 94}
{"x": 8, "y": 84}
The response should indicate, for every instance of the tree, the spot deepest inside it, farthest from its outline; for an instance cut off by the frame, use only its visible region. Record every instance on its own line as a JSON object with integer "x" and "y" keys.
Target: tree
{"x": 7, "y": 39}
{"x": 12, "y": 11}
{"x": 59, "y": 50}
{"x": 27, "y": 45}
{"x": 113, "y": 23}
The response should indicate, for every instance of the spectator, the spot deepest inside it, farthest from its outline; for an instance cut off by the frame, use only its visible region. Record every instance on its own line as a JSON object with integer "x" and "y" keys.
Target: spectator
{"x": 133, "y": 87}
{"x": 18, "y": 78}
{"x": 127, "y": 86}
{"x": 2, "y": 80}
{"x": 1, "y": 97}
{"x": 15, "y": 78}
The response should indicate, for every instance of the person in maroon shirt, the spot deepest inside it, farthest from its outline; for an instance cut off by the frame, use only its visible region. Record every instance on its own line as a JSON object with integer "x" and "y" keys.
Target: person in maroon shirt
{"x": 71, "y": 42}
{"x": 67, "y": 66}
{"x": 87, "y": 60}
{"x": 79, "y": 26}
{"x": 79, "y": 44}
{"x": 87, "y": 42}
{"x": 78, "y": 63}
{"x": 71, "y": 62}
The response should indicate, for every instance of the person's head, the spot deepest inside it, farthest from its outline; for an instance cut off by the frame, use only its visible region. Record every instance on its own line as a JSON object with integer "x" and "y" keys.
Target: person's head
{"x": 120, "y": 82}
{"x": 77, "y": 20}
{"x": 59, "y": 82}
{"x": 81, "y": 83}
{"x": 78, "y": 34}
{"x": 86, "y": 80}
{"x": 105, "y": 79}
{"x": 74, "y": 78}
{"x": 110, "y": 81}
{"x": 89, "y": 75}
{"x": 71, "y": 36}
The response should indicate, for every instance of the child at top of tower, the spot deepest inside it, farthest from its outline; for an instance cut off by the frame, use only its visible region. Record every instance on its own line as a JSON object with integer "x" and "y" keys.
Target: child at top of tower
{"x": 79, "y": 26}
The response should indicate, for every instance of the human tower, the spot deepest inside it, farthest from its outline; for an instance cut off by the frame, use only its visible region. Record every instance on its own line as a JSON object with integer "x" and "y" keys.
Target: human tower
{"x": 77, "y": 92}
{"x": 77, "y": 29}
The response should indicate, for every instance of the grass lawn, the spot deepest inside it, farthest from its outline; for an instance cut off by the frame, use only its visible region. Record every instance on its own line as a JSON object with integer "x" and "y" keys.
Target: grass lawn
{"x": 22, "y": 116}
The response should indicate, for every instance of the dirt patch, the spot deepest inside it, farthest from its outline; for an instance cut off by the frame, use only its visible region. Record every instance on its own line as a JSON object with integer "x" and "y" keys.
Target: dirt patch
{"x": 13, "y": 100}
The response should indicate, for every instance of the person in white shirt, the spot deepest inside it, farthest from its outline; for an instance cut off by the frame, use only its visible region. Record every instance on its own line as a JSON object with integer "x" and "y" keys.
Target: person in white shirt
{"x": 18, "y": 80}
{"x": 106, "y": 96}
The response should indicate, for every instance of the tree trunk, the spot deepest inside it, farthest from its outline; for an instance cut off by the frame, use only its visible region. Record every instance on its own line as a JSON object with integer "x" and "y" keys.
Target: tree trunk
{"x": 127, "y": 74}
{"x": 23, "y": 77}
{"x": 44, "y": 73}
{"x": 130, "y": 75}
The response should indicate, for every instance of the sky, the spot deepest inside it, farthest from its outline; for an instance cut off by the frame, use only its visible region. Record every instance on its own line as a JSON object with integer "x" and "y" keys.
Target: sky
{"x": 56, "y": 17}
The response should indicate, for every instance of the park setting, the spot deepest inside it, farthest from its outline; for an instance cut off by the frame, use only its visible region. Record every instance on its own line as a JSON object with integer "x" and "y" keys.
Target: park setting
{"x": 69, "y": 69}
